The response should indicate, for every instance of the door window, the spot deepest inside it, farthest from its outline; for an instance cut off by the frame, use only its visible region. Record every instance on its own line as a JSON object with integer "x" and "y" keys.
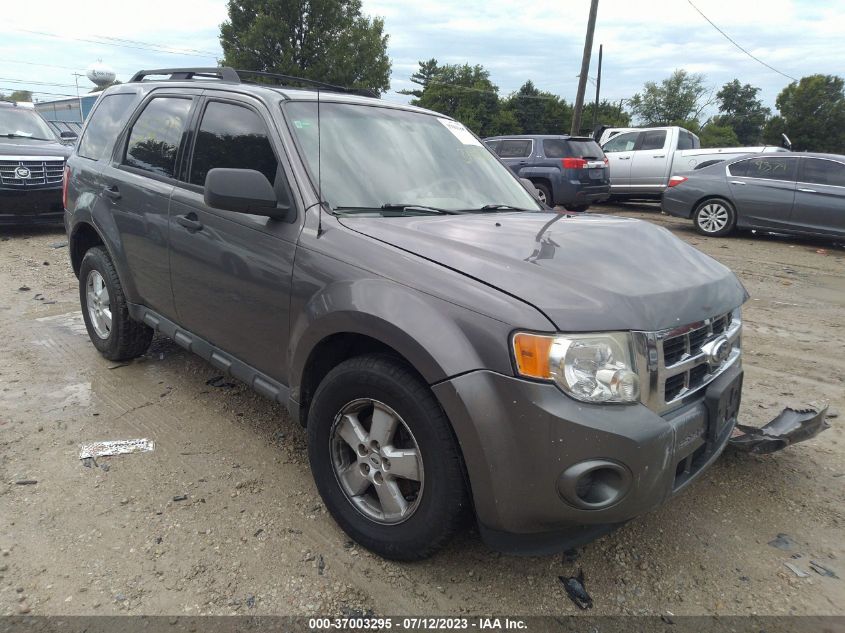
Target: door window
{"x": 652, "y": 140}
{"x": 493, "y": 145}
{"x": 622, "y": 143}
{"x": 685, "y": 140}
{"x": 515, "y": 148}
{"x": 766, "y": 168}
{"x": 823, "y": 172}
{"x": 232, "y": 136}
{"x": 156, "y": 134}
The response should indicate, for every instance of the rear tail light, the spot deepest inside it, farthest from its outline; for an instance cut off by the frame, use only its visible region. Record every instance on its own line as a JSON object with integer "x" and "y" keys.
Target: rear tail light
{"x": 65, "y": 179}
{"x": 606, "y": 161}
{"x": 674, "y": 181}
{"x": 574, "y": 163}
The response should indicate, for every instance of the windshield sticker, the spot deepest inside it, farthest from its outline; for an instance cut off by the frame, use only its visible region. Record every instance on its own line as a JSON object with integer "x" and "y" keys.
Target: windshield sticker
{"x": 460, "y": 132}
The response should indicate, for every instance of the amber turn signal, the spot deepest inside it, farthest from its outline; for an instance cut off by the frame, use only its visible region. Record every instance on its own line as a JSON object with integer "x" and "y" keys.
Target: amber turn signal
{"x": 531, "y": 352}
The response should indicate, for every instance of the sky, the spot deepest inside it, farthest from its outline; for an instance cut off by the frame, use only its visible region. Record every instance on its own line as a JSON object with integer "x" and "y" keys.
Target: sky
{"x": 541, "y": 40}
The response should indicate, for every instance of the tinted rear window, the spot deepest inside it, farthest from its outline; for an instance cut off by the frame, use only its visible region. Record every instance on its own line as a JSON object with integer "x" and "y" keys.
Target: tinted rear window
{"x": 823, "y": 172}
{"x": 767, "y": 168}
{"x": 515, "y": 148}
{"x": 106, "y": 123}
{"x": 559, "y": 148}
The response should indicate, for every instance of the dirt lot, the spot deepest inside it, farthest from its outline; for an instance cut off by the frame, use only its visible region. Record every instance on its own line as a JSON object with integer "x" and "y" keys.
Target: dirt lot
{"x": 253, "y": 537}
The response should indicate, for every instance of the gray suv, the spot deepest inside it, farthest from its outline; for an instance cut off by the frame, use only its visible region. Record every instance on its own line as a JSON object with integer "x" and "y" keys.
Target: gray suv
{"x": 453, "y": 348}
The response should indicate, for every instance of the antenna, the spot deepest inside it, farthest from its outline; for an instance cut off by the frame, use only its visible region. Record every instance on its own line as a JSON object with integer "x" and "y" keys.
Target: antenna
{"x": 319, "y": 169}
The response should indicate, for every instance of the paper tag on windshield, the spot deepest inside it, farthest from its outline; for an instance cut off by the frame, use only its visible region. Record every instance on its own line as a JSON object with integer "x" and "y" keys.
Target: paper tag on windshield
{"x": 460, "y": 132}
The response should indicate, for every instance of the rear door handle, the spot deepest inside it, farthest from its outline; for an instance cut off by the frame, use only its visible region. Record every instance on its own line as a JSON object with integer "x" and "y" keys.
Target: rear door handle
{"x": 737, "y": 182}
{"x": 624, "y": 158}
{"x": 190, "y": 222}
{"x": 807, "y": 190}
{"x": 659, "y": 155}
{"x": 112, "y": 192}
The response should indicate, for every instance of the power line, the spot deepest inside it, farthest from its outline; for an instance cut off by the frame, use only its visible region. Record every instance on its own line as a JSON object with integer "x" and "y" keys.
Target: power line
{"x": 732, "y": 41}
{"x": 36, "y": 92}
{"x": 36, "y": 83}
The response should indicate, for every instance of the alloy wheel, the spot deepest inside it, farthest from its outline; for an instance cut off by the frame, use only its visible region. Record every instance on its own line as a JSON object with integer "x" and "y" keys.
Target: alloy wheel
{"x": 713, "y": 217}
{"x": 98, "y": 304}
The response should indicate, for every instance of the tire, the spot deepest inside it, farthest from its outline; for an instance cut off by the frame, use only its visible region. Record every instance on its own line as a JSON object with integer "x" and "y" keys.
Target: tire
{"x": 115, "y": 335}
{"x": 434, "y": 505}
{"x": 544, "y": 193}
{"x": 714, "y": 217}
{"x": 577, "y": 208}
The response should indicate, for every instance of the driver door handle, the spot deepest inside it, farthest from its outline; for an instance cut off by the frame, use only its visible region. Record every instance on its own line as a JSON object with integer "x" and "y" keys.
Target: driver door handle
{"x": 737, "y": 182}
{"x": 807, "y": 190}
{"x": 190, "y": 222}
{"x": 659, "y": 155}
{"x": 112, "y": 192}
{"x": 624, "y": 158}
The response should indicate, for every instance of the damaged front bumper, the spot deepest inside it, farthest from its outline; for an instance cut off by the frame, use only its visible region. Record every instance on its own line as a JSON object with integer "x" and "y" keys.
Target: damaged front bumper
{"x": 790, "y": 427}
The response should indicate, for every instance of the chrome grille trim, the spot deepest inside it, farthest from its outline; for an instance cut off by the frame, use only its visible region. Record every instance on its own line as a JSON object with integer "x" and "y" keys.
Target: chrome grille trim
{"x": 43, "y": 170}
{"x": 654, "y": 371}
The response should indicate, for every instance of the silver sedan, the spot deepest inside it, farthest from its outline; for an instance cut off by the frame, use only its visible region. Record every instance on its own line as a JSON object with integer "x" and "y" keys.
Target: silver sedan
{"x": 797, "y": 193}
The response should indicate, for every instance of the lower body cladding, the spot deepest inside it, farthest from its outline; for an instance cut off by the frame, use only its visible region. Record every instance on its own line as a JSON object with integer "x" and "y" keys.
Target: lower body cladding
{"x": 576, "y": 193}
{"x": 31, "y": 206}
{"x": 548, "y": 472}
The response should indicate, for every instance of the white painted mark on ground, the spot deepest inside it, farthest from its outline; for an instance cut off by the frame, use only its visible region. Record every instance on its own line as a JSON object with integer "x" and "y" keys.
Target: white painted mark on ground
{"x": 117, "y": 447}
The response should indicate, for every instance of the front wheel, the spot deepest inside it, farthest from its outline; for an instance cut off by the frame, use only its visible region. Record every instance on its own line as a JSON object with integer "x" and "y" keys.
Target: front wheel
{"x": 714, "y": 217}
{"x": 384, "y": 458}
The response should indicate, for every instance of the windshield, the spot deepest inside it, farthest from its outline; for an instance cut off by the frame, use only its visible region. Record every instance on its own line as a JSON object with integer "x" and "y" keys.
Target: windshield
{"x": 21, "y": 122}
{"x": 375, "y": 158}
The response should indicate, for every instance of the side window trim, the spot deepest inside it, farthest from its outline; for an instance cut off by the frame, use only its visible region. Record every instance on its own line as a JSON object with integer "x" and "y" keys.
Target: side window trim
{"x": 121, "y": 145}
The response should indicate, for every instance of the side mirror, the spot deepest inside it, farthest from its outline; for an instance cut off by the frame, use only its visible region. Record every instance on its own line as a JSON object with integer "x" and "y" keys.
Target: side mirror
{"x": 68, "y": 135}
{"x": 531, "y": 188}
{"x": 242, "y": 191}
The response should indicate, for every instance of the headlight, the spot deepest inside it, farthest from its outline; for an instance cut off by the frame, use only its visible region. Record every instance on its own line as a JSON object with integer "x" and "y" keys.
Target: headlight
{"x": 588, "y": 367}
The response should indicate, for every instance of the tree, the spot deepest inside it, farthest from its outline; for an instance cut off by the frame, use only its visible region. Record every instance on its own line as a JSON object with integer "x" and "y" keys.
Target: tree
{"x": 716, "y": 135}
{"x": 325, "y": 40}
{"x": 537, "y": 111}
{"x": 677, "y": 100}
{"x": 742, "y": 111}
{"x": 17, "y": 95}
{"x": 610, "y": 113}
{"x": 465, "y": 93}
{"x": 427, "y": 73}
{"x": 812, "y": 114}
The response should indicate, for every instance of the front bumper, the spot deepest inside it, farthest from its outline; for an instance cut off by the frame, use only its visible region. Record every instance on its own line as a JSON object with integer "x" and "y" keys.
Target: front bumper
{"x": 519, "y": 438}
{"x": 31, "y": 206}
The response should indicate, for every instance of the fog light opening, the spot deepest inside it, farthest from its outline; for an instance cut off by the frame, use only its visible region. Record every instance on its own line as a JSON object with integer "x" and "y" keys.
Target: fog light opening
{"x": 599, "y": 487}
{"x": 594, "y": 484}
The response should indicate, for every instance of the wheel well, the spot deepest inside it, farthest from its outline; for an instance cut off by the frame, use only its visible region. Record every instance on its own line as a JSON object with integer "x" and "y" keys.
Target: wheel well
{"x": 710, "y": 197}
{"x": 84, "y": 237}
{"x": 542, "y": 181}
{"x": 329, "y": 353}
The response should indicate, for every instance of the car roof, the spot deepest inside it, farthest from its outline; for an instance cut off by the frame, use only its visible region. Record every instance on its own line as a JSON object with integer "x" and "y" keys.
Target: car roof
{"x": 839, "y": 157}
{"x": 555, "y": 137}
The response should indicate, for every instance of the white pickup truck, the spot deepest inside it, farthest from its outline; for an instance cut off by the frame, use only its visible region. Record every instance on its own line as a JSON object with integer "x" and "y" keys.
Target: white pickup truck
{"x": 642, "y": 160}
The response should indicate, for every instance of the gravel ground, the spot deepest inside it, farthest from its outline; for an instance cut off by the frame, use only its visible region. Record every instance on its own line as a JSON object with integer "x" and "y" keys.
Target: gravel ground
{"x": 250, "y": 534}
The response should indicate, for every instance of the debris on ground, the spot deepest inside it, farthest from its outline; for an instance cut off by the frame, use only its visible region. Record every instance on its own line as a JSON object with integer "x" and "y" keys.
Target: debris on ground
{"x": 220, "y": 381}
{"x": 58, "y": 244}
{"x": 796, "y": 570}
{"x": 782, "y": 541}
{"x": 790, "y": 427}
{"x": 574, "y": 586}
{"x": 24, "y": 289}
{"x": 822, "y": 570}
{"x": 117, "y": 447}
{"x": 180, "y": 498}
{"x": 26, "y": 482}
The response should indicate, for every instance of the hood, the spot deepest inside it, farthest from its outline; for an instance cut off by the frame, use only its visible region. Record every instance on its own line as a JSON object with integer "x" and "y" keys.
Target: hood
{"x": 585, "y": 273}
{"x": 32, "y": 147}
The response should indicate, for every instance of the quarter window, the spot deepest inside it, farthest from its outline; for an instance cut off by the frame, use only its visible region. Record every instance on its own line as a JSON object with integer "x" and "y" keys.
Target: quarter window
{"x": 515, "y": 148}
{"x": 823, "y": 172}
{"x": 622, "y": 143}
{"x": 155, "y": 137}
{"x": 235, "y": 137}
{"x": 685, "y": 140}
{"x": 106, "y": 123}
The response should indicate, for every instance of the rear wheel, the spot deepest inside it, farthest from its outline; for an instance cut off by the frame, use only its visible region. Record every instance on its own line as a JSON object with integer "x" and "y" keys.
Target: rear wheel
{"x": 544, "y": 194}
{"x": 384, "y": 458}
{"x": 105, "y": 311}
{"x": 714, "y": 217}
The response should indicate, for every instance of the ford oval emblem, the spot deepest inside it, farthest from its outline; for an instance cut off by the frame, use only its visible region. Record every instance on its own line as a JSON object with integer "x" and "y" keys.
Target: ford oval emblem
{"x": 22, "y": 173}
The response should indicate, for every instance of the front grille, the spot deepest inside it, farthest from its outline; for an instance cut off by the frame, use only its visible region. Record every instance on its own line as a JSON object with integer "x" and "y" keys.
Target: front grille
{"x": 41, "y": 172}
{"x": 672, "y": 366}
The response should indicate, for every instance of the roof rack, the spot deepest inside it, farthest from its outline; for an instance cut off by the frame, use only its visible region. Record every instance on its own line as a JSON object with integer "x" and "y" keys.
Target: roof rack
{"x": 231, "y": 75}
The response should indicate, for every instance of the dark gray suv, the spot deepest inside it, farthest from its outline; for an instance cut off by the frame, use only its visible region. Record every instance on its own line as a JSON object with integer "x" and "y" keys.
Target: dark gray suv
{"x": 453, "y": 348}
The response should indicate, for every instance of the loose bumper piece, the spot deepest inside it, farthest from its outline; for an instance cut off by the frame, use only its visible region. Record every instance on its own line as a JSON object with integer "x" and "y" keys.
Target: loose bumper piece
{"x": 790, "y": 427}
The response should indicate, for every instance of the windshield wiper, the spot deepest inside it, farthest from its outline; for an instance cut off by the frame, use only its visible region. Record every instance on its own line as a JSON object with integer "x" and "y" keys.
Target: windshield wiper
{"x": 16, "y": 135}
{"x": 499, "y": 207}
{"x": 401, "y": 208}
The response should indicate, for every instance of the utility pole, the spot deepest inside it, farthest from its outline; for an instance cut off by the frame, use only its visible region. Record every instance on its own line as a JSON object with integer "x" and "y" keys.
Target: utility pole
{"x": 585, "y": 69}
{"x": 76, "y": 77}
{"x": 598, "y": 90}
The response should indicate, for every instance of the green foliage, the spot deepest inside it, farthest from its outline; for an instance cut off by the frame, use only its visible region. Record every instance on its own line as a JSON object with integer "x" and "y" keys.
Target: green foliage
{"x": 427, "y": 72}
{"x": 326, "y": 40}
{"x": 812, "y": 114}
{"x": 18, "y": 95}
{"x": 611, "y": 114}
{"x": 742, "y": 111}
{"x": 716, "y": 135}
{"x": 678, "y": 99}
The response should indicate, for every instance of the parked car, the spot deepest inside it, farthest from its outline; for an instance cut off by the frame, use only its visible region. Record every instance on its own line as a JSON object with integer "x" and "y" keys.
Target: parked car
{"x": 32, "y": 161}
{"x": 567, "y": 170}
{"x": 642, "y": 160}
{"x": 432, "y": 325}
{"x": 797, "y": 193}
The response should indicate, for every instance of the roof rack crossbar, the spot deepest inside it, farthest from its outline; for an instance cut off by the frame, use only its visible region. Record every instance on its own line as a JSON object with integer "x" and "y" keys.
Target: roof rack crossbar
{"x": 225, "y": 73}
